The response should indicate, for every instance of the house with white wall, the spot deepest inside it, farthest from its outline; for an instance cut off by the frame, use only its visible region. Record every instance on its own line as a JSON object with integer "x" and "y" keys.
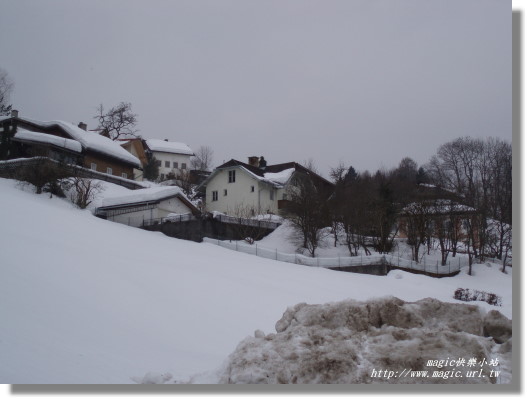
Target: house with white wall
{"x": 173, "y": 157}
{"x": 144, "y": 206}
{"x": 235, "y": 187}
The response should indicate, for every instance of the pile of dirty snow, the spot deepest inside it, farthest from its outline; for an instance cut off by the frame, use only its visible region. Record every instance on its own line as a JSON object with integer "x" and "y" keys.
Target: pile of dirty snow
{"x": 383, "y": 340}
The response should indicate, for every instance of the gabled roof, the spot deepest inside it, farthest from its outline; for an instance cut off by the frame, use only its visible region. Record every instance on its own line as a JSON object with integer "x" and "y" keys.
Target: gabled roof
{"x": 147, "y": 195}
{"x": 437, "y": 207}
{"x": 275, "y": 175}
{"x": 172, "y": 147}
{"x": 88, "y": 140}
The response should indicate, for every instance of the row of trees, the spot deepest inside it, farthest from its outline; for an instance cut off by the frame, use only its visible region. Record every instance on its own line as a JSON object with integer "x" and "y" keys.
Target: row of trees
{"x": 462, "y": 196}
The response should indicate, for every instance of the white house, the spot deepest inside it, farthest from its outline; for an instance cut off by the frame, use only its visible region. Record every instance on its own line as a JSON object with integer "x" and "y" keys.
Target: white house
{"x": 235, "y": 188}
{"x": 173, "y": 157}
{"x": 147, "y": 205}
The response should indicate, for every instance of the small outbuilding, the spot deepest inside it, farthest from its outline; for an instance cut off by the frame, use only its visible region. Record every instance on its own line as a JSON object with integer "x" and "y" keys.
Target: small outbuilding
{"x": 148, "y": 206}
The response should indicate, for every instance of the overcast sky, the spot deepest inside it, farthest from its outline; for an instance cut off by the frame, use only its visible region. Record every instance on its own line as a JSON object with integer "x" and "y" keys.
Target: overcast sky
{"x": 363, "y": 82}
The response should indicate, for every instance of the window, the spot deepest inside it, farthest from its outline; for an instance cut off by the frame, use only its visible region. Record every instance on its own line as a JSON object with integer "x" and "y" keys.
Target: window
{"x": 175, "y": 165}
{"x": 284, "y": 196}
{"x": 93, "y": 166}
{"x": 252, "y": 189}
{"x": 124, "y": 175}
{"x": 214, "y": 195}
{"x": 225, "y": 192}
{"x": 167, "y": 164}
{"x": 183, "y": 166}
{"x": 109, "y": 171}
{"x": 162, "y": 176}
{"x": 158, "y": 162}
{"x": 271, "y": 195}
{"x": 232, "y": 176}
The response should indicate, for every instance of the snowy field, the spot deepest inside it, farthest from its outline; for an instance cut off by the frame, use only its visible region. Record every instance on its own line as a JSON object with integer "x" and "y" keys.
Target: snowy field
{"x": 83, "y": 300}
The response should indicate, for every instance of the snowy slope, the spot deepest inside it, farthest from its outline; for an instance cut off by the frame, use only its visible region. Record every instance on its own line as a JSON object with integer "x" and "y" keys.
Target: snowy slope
{"x": 83, "y": 300}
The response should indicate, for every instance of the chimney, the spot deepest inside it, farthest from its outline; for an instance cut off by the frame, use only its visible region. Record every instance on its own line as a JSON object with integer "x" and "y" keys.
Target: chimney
{"x": 14, "y": 113}
{"x": 83, "y": 126}
{"x": 253, "y": 161}
{"x": 262, "y": 164}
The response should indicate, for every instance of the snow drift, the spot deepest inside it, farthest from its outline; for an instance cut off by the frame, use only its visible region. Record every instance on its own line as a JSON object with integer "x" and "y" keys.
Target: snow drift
{"x": 350, "y": 342}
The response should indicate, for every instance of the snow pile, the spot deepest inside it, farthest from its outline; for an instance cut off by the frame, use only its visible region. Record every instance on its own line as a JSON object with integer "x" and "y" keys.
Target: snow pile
{"x": 142, "y": 195}
{"x": 168, "y": 146}
{"x": 69, "y": 144}
{"x": 352, "y": 342}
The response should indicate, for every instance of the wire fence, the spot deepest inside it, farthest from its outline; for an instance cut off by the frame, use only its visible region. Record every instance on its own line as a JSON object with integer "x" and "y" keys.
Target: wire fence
{"x": 187, "y": 217}
{"x": 266, "y": 224}
{"x": 426, "y": 266}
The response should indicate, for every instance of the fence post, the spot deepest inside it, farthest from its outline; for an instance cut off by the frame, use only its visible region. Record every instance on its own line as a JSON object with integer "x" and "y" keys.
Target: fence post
{"x": 339, "y": 260}
{"x": 256, "y": 249}
{"x": 236, "y": 246}
{"x": 318, "y": 261}
{"x": 276, "y": 253}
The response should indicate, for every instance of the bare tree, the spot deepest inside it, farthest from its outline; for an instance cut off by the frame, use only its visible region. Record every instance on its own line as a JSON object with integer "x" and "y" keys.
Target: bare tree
{"x": 117, "y": 122}
{"x": 417, "y": 216}
{"x": 307, "y": 210}
{"x": 480, "y": 172}
{"x": 84, "y": 191}
{"x": 184, "y": 181}
{"x": 202, "y": 159}
{"x": 6, "y": 87}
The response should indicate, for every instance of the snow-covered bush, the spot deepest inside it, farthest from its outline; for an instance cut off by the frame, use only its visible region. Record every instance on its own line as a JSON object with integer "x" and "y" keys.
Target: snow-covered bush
{"x": 468, "y": 295}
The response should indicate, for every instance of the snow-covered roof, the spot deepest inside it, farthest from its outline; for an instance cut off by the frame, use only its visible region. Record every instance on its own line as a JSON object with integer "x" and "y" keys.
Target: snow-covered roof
{"x": 437, "y": 207}
{"x": 69, "y": 144}
{"x": 89, "y": 140}
{"x": 96, "y": 142}
{"x": 143, "y": 195}
{"x": 168, "y": 146}
{"x": 280, "y": 177}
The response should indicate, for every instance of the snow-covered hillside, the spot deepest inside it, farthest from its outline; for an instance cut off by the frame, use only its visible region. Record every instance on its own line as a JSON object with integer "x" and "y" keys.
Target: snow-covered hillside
{"x": 83, "y": 300}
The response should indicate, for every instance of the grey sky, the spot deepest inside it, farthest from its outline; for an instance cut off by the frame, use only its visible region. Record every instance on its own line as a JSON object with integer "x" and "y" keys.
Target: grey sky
{"x": 364, "y": 82}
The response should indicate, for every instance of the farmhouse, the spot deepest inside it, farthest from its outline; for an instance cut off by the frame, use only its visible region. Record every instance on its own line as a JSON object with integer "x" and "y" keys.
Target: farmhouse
{"x": 146, "y": 206}
{"x": 252, "y": 188}
{"x": 173, "y": 158}
{"x": 439, "y": 212}
{"x": 64, "y": 142}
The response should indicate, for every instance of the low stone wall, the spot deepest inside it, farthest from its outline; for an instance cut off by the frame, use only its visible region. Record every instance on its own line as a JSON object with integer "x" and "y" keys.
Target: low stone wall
{"x": 195, "y": 230}
{"x": 376, "y": 270}
{"x": 12, "y": 168}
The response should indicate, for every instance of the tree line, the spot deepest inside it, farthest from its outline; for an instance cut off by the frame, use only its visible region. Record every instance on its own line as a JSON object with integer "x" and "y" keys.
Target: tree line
{"x": 462, "y": 198}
